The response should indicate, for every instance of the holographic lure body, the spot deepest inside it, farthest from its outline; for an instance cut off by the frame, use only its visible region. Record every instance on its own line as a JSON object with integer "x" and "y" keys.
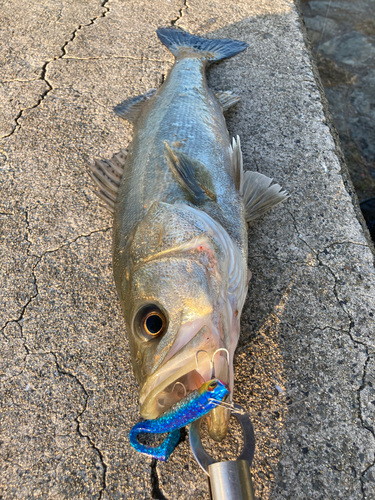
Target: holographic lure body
{"x": 190, "y": 408}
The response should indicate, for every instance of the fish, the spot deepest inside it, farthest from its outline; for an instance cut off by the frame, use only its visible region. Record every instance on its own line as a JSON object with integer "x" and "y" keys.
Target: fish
{"x": 193, "y": 406}
{"x": 181, "y": 202}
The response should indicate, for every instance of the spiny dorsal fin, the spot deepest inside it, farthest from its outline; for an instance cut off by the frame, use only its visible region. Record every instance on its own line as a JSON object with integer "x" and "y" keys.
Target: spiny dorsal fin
{"x": 107, "y": 176}
{"x": 191, "y": 174}
{"x": 257, "y": 190}
{"x": 237, "y": 163}
{"x": 130, "y": 108}
{"x": 227, "y": 99}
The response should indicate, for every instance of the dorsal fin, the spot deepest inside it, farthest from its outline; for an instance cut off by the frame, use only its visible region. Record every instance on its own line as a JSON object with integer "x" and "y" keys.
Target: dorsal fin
{"x": 191, "y": 174}
{"x": 227, "y": 99}
{"x": 130, "y": 108}
{"x": 237, "y": 163}
{"x": 107, "y": 176}
{"x": 257, "y": 190}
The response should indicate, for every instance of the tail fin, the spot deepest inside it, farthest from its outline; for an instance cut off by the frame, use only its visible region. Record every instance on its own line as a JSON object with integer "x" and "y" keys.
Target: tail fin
{"x": 216, "y": 49}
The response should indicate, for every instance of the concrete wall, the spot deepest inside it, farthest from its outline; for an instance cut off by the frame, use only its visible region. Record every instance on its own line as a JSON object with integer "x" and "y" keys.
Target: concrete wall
{"x": 305, "y": 362}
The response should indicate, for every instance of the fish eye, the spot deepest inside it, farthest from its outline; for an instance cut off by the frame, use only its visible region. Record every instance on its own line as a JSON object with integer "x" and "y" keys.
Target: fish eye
{"x": 151, "y": 322}
{"x": 212, "y": 385}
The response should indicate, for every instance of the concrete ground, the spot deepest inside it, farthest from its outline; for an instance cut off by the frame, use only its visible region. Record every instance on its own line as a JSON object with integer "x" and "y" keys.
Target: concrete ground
{"x": 305, "y": 362}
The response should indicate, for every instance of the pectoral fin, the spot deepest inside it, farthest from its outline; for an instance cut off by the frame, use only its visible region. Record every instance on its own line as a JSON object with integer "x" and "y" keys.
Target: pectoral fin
{"x": 191, "y": 174}
{"x": 227, "y": 99}
{"x": 107, "y": 176}
{"x": 257, "y": 190}
{"x": 130, "y": 108}
{"x": 259, "y": 194}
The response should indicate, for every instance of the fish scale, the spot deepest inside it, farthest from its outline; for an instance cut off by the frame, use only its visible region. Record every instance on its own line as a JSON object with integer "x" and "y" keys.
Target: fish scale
{"x": 199, "y": 113}
{"x": 180, "y": 228}
{"x": 204, "y": 136}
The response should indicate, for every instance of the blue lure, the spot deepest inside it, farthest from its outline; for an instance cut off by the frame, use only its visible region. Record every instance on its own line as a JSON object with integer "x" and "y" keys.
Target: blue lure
{"x": 190, "y": 408}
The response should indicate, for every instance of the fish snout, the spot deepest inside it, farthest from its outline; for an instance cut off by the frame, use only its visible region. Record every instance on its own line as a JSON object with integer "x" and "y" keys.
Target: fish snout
{"x": 187, "y": 370}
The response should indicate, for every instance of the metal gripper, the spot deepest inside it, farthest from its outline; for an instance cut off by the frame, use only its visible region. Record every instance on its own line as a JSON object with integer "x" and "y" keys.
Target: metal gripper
{"x": 227, "y": 480}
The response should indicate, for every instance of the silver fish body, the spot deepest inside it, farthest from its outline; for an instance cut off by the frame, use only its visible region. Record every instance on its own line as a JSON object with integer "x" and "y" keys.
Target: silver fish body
{"x": 180, "y": 234}
{"x": 184, "y": 113}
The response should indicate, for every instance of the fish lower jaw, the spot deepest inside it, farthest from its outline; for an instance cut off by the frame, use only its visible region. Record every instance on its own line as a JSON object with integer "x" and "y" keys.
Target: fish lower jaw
{"x": 172, "y": 390}
{"x": 179, "y": 389}
{"x": 163, "y": 400}
{"x": 191, "y": 376}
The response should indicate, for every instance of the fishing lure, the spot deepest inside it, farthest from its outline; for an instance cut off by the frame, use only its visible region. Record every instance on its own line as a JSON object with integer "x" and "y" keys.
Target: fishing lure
{"x": 190, "y": 408}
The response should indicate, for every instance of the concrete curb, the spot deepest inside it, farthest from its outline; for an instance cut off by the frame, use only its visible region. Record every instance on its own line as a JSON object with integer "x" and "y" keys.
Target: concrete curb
{"x": 330, "y": 122}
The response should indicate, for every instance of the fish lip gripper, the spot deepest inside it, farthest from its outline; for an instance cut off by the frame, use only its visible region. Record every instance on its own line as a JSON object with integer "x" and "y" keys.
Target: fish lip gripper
{"x": 229, "y": 480}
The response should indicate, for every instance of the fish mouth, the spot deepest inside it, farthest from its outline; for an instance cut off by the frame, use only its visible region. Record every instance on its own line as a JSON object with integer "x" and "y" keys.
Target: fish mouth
{"x": 196, "y": 363}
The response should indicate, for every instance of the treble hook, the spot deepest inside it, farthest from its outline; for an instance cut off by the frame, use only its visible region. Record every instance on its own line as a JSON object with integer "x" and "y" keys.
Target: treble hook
{"x": 180, "y": 383}
{"x": 196, "y": 360}
{"x": 223, "y": 349}
{"x": 227, "y": 406}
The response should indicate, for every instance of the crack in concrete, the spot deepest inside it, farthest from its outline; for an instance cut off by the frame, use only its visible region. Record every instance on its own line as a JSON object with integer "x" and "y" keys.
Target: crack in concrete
{"x": 68, "y": 243}
{"x": 363, "y": 383}
{"x": 109, "y": 58}
{"x": 27, "y": 221}
{"x": 2, "y": 331}
{"x": 345, "y": 242}
{"x": 19, "y": 319}
{"x": 43, "y": 72}
{"x": 340, "y": 302}
{"x": 60, "y": 370}
{"x": 349, "y": 333}
{"x": 38, "y": 258}
{"x": 78, "y": 422}
{"x": 283, "y": 261}
{"x": 92, "y": 21}
{"x": 181, "y": 13}
{"x": 19, "y": 80}
{"x": 156, "y": 492}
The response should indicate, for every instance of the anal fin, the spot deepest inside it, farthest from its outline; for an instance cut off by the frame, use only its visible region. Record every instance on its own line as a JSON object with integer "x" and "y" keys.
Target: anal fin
{"x": 191, "y": 174}
{"x": 130, "y": 108}
{"x": 107, "y": 176}
{"x": 257, "y": 190}
{"x": 227, "y": 99}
